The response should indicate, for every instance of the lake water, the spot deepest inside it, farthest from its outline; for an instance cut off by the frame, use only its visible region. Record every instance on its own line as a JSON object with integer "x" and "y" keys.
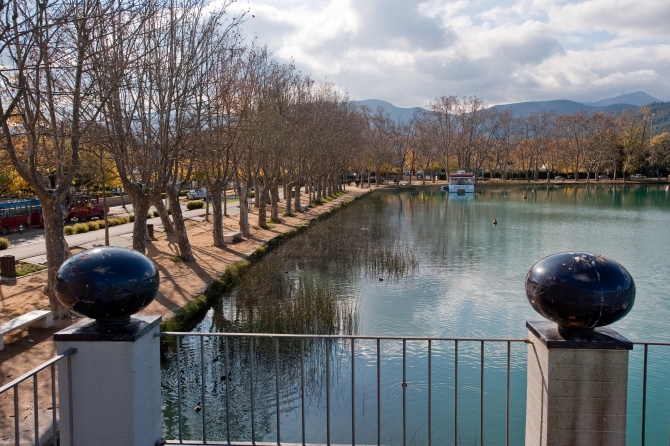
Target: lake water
{"x": 446, "y": 272}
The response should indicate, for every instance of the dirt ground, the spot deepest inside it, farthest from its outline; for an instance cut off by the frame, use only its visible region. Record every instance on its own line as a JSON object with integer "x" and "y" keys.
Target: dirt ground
{"x": 179, "y": 282}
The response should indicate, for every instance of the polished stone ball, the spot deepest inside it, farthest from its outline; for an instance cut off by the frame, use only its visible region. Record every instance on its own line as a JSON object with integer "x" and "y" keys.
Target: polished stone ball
{"x": 108, "y": 284}
{"x": 578, "y": 290}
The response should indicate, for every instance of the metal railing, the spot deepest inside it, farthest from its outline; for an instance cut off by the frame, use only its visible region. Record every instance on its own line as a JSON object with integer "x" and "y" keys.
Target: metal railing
{"x": 14, "y": 385}
{"x": 645, "y": 369}
{"x": 328, "y": 339}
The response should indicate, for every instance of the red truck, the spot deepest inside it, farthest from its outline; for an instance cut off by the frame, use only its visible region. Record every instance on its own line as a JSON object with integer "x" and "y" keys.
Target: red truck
{"x": 84, "y": 208}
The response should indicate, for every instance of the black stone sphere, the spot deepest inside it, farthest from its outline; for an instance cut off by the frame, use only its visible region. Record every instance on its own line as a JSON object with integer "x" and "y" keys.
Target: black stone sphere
{"x": 578, "y": 290}
{"x": 108, "y": 284}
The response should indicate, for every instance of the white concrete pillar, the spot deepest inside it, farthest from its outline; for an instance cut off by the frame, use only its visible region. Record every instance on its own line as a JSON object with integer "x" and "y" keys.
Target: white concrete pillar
{"x": 577, "y": 386}
{"x": 116, "y": 380}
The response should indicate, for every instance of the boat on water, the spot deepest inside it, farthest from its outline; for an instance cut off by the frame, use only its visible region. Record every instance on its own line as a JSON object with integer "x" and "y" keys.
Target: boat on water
{"x": 460, "y": 182}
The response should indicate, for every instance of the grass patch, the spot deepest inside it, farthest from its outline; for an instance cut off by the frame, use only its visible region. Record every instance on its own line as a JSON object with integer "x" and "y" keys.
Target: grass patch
{"x": 23, "y": 268}
{"x": 176, "y": 259}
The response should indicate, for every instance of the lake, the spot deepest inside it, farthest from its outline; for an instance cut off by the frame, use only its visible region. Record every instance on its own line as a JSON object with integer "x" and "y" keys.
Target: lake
{"x": 420, "y": 262}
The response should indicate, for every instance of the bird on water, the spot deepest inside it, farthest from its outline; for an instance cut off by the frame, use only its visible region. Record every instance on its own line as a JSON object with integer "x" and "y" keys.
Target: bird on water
{"x": 197, "y": 408}
{"x": 495, "y": 222}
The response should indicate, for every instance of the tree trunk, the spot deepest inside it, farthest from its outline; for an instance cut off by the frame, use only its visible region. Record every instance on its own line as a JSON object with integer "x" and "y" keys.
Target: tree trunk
{"x": 58, "y": 251}
{"x": 298, "y": 207}
{"x": 287, "y": 197}
{"x": 225, "y": 200}
{"x": 209, "y": 188}
{"x": 162, "y": 212}
{"x": 261, "y": 200}
{"x": 257, "y": 195}
{"x": 244, "y": 211}
{"x": 217, "y": 227}
{"x": 141, "y": 205}
{"x": 181, "y": 236}
{"x": 274, "y": 200}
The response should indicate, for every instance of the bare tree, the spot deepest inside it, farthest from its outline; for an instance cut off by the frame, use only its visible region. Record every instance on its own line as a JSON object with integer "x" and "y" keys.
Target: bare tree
{"x": 51, "y": 56}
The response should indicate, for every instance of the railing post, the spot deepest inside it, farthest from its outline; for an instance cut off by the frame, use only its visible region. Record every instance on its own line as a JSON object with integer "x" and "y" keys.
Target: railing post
{"x": 110, "y": 393}
{"x": 577, "y": 386}
{"x": 115, "y": 383}
{"x": 577, "y": 367}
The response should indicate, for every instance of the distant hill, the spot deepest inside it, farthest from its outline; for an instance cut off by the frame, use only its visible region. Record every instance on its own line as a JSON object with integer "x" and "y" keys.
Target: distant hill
{"x": 660, "y": 109}
{"x": 560, "y": 107}
{"x": 398, "y": 114}
{"x": 638, "y": 98}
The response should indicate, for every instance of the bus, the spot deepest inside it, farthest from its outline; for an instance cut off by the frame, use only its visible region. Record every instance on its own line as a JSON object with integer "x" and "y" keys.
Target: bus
{"x": 15, "y": 212}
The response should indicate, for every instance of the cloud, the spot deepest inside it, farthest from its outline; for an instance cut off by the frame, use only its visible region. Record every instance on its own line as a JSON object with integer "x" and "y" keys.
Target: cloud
{"x": 505, "y": 51}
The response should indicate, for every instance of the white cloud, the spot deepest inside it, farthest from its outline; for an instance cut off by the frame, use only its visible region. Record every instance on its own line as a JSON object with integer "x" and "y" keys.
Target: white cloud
{"x": 505, "y": 51}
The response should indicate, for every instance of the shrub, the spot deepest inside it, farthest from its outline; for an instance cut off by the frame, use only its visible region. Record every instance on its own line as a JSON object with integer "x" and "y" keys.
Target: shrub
{"x": 156, "y": 214}
{"x": 150, "y": 214}
{"x": 122, "y": 220}
{"x": 68, "y": 230}
{"x": 182, "y": 193}
{"x": 197, "y": 204}
{"x": 112, "y": 222}
{"x": 93, "y": 225}
{"x": 4, "y": 243}
{"x": 163, "y": 195}
{"x": 131, "y": 218}
{"x": 80, "y": 228}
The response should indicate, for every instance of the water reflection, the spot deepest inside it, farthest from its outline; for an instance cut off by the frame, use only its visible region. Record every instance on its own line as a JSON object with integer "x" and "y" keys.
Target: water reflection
{"x": 445, "y": 270}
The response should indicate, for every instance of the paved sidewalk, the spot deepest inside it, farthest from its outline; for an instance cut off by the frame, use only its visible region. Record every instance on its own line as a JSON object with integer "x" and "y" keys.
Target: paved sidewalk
{"x": 36, "y": 251}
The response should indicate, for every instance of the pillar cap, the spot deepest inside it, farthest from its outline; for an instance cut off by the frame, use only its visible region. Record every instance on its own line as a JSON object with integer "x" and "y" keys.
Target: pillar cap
{"x": 88, "y": 330}
{"x": 601, "y": 338}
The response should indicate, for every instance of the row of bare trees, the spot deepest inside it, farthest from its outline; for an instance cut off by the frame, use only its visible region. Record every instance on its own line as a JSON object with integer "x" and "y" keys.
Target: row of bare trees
{"x": 165, "y": 90}
{"x": 467, "y": 134}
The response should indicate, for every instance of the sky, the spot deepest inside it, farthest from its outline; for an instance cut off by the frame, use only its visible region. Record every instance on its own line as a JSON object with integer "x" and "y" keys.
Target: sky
{"x": 410, "y": 52}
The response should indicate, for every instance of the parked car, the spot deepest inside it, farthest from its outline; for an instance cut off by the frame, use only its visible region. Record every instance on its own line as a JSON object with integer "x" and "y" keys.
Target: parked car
{"x": 196, "y": 194}
{"x": 571, "y": 177}
{"x": 559, "y": 177}
{"x": 603, "y": 177}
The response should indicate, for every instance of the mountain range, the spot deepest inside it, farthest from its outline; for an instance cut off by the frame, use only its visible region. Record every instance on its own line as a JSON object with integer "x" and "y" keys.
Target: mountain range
{"x": 631, "y": 101}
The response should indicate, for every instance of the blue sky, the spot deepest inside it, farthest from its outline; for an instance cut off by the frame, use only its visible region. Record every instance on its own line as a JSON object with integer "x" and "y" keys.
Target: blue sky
{"x": 409, "y": 52}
